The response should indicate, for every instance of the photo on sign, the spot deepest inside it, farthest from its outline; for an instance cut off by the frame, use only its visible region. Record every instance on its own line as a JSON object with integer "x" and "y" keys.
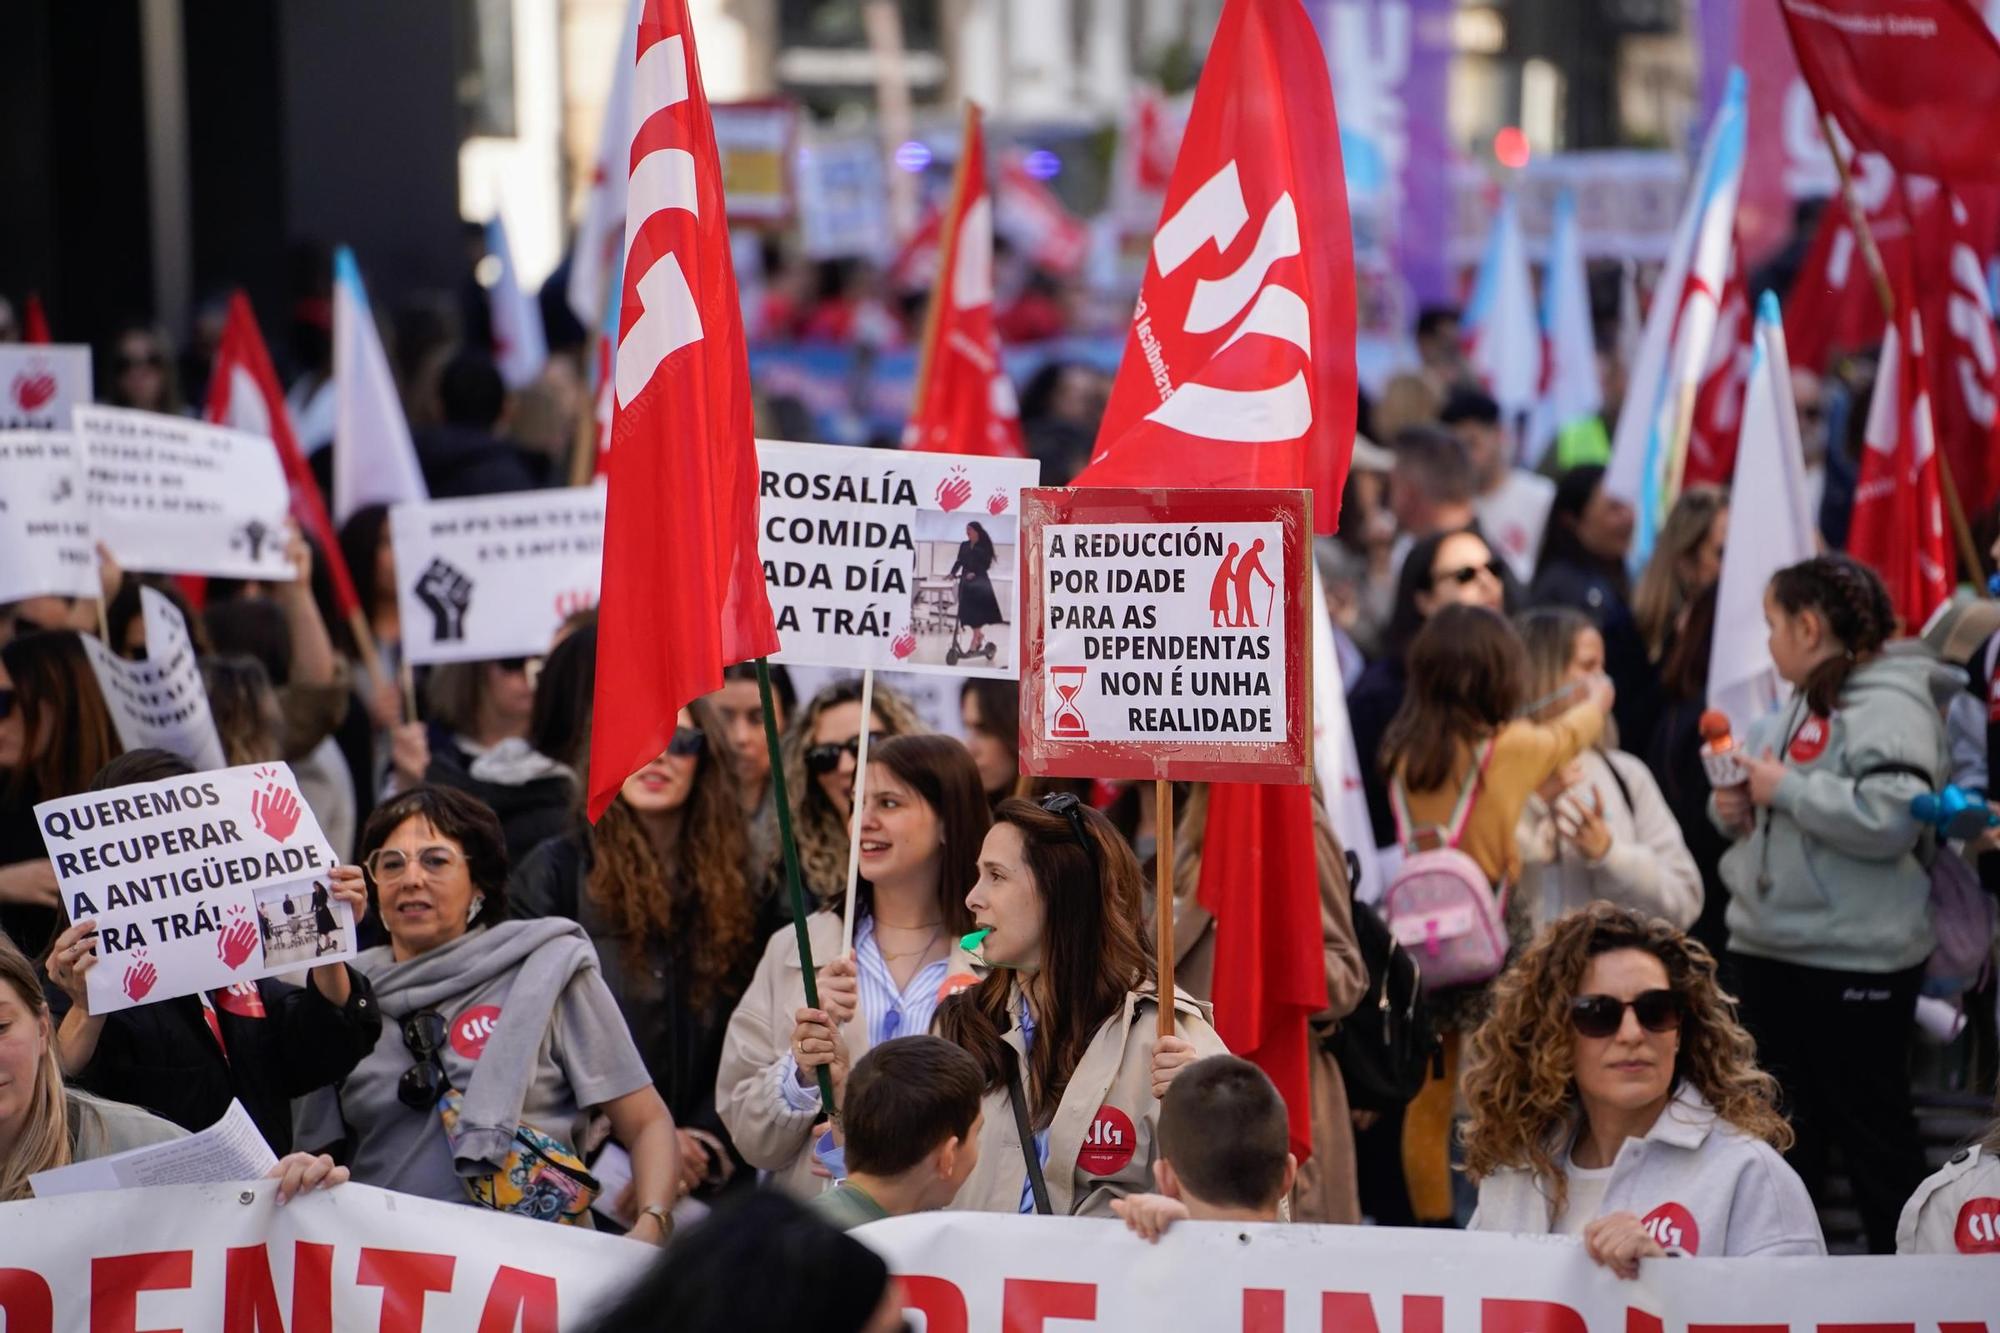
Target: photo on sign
{"x": 962, "y": 604}
{"x": 298, "y": 923}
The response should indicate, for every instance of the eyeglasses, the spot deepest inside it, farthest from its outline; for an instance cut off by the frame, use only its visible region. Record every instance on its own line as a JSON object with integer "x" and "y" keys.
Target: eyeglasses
{"x": 823, "y": 759}
{"x": 425, "y": 1081}
{"x": 6, "y": 703}
{"x": 1602, "y": 1015}
{"x": 389, "y": 866}
{"x": 1069, "y": 807}
{"x": 1467, "y": 573}
{"x": 688, "y": 742}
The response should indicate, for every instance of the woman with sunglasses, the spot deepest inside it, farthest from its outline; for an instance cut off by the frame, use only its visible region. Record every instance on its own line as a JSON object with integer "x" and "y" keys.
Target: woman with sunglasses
{"x": 820, "y": 753}
{"x": 920, "y": 835}
{"x": 496, "y": 1032}
{"x": 55, "y": 733}
{"x": 662, "y": 884}
{"x": 1615, "y": 1097}
{"x": 1070, "y": 1008}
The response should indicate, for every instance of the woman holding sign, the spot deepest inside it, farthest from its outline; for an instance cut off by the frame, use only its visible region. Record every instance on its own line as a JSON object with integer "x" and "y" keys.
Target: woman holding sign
{"x": 822, "y": 746}
{"x": 1071, "y": 1010}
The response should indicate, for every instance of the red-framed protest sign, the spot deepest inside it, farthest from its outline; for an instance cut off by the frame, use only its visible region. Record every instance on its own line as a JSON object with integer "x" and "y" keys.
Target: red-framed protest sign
{"x": 1165, "y": 634}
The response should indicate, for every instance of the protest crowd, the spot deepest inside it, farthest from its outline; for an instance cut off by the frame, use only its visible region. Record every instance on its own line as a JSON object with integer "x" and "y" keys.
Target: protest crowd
{"x": 1638, "y": 883}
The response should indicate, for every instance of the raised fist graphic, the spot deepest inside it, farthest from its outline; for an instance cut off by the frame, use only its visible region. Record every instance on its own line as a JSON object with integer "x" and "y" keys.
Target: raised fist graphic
{"x": 445, "y": 593}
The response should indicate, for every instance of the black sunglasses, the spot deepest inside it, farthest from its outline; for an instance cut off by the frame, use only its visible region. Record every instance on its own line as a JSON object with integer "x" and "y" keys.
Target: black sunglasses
{"x": 425, "y": 1081}
{"x": 1603, "y": 1015}
{"x": 512, "y": 666}
{"x": 1069, "y": 807}
{"x": 823, "y": 759}
{"x": 687, "y": 742}
{"x": 1467, "y": 573}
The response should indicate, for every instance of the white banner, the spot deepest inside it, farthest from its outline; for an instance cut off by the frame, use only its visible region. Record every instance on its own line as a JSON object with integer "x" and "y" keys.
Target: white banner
{"x": 40, "y": 383}
{"x": 980, "y": 1273}
{"x": 196, "y": 883}
{"x": 860, "y": 548}
{"x": 159, "y": 703}
{"x": 184, "y": 497}
{"x": 45, "y": 546}
{"x": 495, "y": 576}
{"x": 228, "y": 1257}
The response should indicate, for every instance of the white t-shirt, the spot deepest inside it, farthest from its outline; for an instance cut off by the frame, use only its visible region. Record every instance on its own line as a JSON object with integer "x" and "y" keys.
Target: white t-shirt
{"x": 1513, "y": 517}
{"x": 1586, "y": 1196}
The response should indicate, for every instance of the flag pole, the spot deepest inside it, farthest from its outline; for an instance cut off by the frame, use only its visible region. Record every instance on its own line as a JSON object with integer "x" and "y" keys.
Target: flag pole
{"x": 1878, "y": 273}
{"x": 1163, "y": 896}
{"x": 793, "y": 885}
{"x": 860, "y": 799}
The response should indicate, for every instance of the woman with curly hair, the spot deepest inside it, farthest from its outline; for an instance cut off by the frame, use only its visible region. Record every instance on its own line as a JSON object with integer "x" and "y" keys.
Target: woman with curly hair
{"x": 661, "y": 883}
{"x": 1615, "y": 1097}
{"x": 822, "y": 746}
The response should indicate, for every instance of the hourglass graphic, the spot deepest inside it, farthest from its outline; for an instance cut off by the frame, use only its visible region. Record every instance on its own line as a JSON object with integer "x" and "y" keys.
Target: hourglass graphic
{"x": 1068, "y": 682}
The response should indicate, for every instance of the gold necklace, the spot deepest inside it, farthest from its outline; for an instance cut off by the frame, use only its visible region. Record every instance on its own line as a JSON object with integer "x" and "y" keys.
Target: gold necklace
{"x": 926, "y": 947}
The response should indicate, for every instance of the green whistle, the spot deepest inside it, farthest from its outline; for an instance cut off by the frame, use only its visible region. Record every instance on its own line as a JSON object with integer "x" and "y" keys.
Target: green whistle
{"x": 975, "y": 939}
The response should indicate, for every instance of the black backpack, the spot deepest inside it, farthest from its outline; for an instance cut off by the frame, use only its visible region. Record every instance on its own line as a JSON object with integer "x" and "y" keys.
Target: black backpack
{"x": 1387, "y": 1046}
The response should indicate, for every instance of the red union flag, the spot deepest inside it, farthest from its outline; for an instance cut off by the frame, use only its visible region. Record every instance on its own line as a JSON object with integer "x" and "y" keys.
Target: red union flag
{"x": 965, "y": 402}
{"x": 1718, "y": 404}
{"x": 1239, "y": 370}
{"x": 683, "y": 590}
{"x": 1916, "y": 80}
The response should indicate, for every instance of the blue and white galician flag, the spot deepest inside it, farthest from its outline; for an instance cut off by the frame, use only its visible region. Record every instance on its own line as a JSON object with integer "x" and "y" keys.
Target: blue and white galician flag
{"x": 520, "y": 348}
{"x": 1503, "y": 340}
{"x": 374, "y": 460}
{"x": 1650, "y": 444}
{"x": 1571, "y": 389}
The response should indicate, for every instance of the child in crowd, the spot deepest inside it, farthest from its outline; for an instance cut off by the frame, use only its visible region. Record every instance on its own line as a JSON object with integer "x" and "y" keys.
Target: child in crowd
{"x": 1224, "y": 1150}
{"x": 911, "y": 1119}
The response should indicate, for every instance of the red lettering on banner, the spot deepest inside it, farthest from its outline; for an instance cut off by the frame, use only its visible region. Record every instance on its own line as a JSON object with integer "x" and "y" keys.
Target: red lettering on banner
{"x": 1867, "y": 1328}
{"x": 1739, "y": 1328}
{"x": 942, "y": 1303}
{"x": 404, "y": 1277}
{"x": 26, "y": 1301}
{"x": 1497, "y": 1316}
{"x": 250, "y": 1298}
{"x": 1955, "y": 1326}
{"x": 1340, "y": 1311}
{"x": 519, "y": 1299}
{"x": 1029, "y": 1303}
{"x": 116, "y": 1281}
{"x": 1638, "y": 1321}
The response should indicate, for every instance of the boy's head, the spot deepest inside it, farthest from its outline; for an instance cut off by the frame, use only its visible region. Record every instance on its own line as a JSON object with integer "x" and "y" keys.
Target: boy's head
{"x": 912, "y": 1109}
{"x": 1224, "y": 1140}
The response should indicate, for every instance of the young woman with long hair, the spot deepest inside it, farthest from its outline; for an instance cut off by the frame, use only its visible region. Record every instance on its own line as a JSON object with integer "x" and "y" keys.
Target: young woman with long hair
{"x": 1582, "y": 566}
{"x": 977, "y": 606}
{"x": 1687, "y": 557}
{"x": 1829, "y": 908}
{"x": 1611, "y": 1029}
{"x": 920, "y": 836}
{"x": 661, "y": 883}
{"x": 991, "y": 712}
{"x": 1458, "y": 731}
{"x": 819, "y": 753}
{"x": 1071, "y": 1008}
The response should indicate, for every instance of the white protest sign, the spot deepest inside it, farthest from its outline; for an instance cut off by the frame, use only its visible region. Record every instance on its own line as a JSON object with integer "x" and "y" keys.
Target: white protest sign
{"x": 229, "y": 1257}
{"x": 45, "y": 546}
{"x": 180, "y": 496}
{"x": 196, "y": 883}
{"x": 899, "y": 561}
{"x": 495, "y": 576}
{"x": 159, "y": 703}
{"x": 40, "y": 383}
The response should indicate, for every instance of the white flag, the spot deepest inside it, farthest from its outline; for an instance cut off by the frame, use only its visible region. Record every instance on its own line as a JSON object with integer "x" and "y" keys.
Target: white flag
{"x": 374, "y": 461}
{"x": 1574, "y": 391}
{"x": 598, "y": 253}
{"x": 1505, "y": 344}
{"x": 1335, "y": 760}
{"x": 519, "y": 347}
{"x": 1770, "y": 527}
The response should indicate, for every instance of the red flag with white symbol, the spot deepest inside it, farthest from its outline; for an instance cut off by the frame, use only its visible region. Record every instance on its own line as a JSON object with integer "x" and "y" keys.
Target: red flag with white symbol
{"x": 1718, "y": 403}
{"x": 1239, "y": 370}
{"x": 965, "y": 402}
{"x": 1954, "y": 231}
{"x": 243, "y": 392}
{"x": 683, "y": 590}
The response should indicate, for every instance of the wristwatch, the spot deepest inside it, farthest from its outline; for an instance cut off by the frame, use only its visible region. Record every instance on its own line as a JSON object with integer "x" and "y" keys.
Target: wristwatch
{"x": 662, "y": 1216}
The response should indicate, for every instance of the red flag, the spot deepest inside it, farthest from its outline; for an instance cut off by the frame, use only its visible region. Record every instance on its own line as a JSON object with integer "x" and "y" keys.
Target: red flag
{"x": 1898, "y": 523}
{"x": 1832, "y": 308}
{"x": 1954, "y": 234}
{"x": 683, "y": 590}
{"x": 1033, "y": 219}
{"x": 1718, "y": 404}
{"x": 915, "y": 266}
{"x": 35, "y": 321}
{"x": 1239, "y": 370}
{"x": 965, "y": 402}
{"x": 243, "y": 392}
{"x": 1918, "y": 81}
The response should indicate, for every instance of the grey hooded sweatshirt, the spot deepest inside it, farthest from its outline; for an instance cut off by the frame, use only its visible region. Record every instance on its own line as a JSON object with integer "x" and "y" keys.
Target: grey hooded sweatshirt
{"x": 1830, "y": 876}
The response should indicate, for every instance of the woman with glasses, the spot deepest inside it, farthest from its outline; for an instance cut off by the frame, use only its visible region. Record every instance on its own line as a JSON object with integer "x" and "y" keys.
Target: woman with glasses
{"x": 661, "y": 883}
{"x": 921, "y": 830}
{"x": 1068, "y": 1015}
{"x": 1615, "y": 1097}
{"x": 820, "y": 753}
{"x": 501, "y": 1044}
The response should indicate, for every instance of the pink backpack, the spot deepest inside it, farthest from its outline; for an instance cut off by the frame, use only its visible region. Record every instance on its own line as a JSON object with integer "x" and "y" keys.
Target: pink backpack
{"x": 1439, "y": 905}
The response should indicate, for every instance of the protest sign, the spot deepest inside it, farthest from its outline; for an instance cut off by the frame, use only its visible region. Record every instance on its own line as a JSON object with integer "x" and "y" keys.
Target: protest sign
{"x": 159, "y": 703}
{"x": 1166, "y": 634}
{"x": 45, "y": 546}
{"x": 879, "y": 559}
{"x": 40, "y": 383}
{"x": 495, "y": 576}
{"x": 755, "y": 141}
{"x": 983, "y": 1273}
{"x": 196, "y": 883}
{"x": 180, "y": 496}
{"x": 228, "y": 1257}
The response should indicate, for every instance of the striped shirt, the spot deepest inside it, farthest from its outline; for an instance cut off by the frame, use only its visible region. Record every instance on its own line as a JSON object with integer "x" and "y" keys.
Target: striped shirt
{"x": 889, "y": 1012}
